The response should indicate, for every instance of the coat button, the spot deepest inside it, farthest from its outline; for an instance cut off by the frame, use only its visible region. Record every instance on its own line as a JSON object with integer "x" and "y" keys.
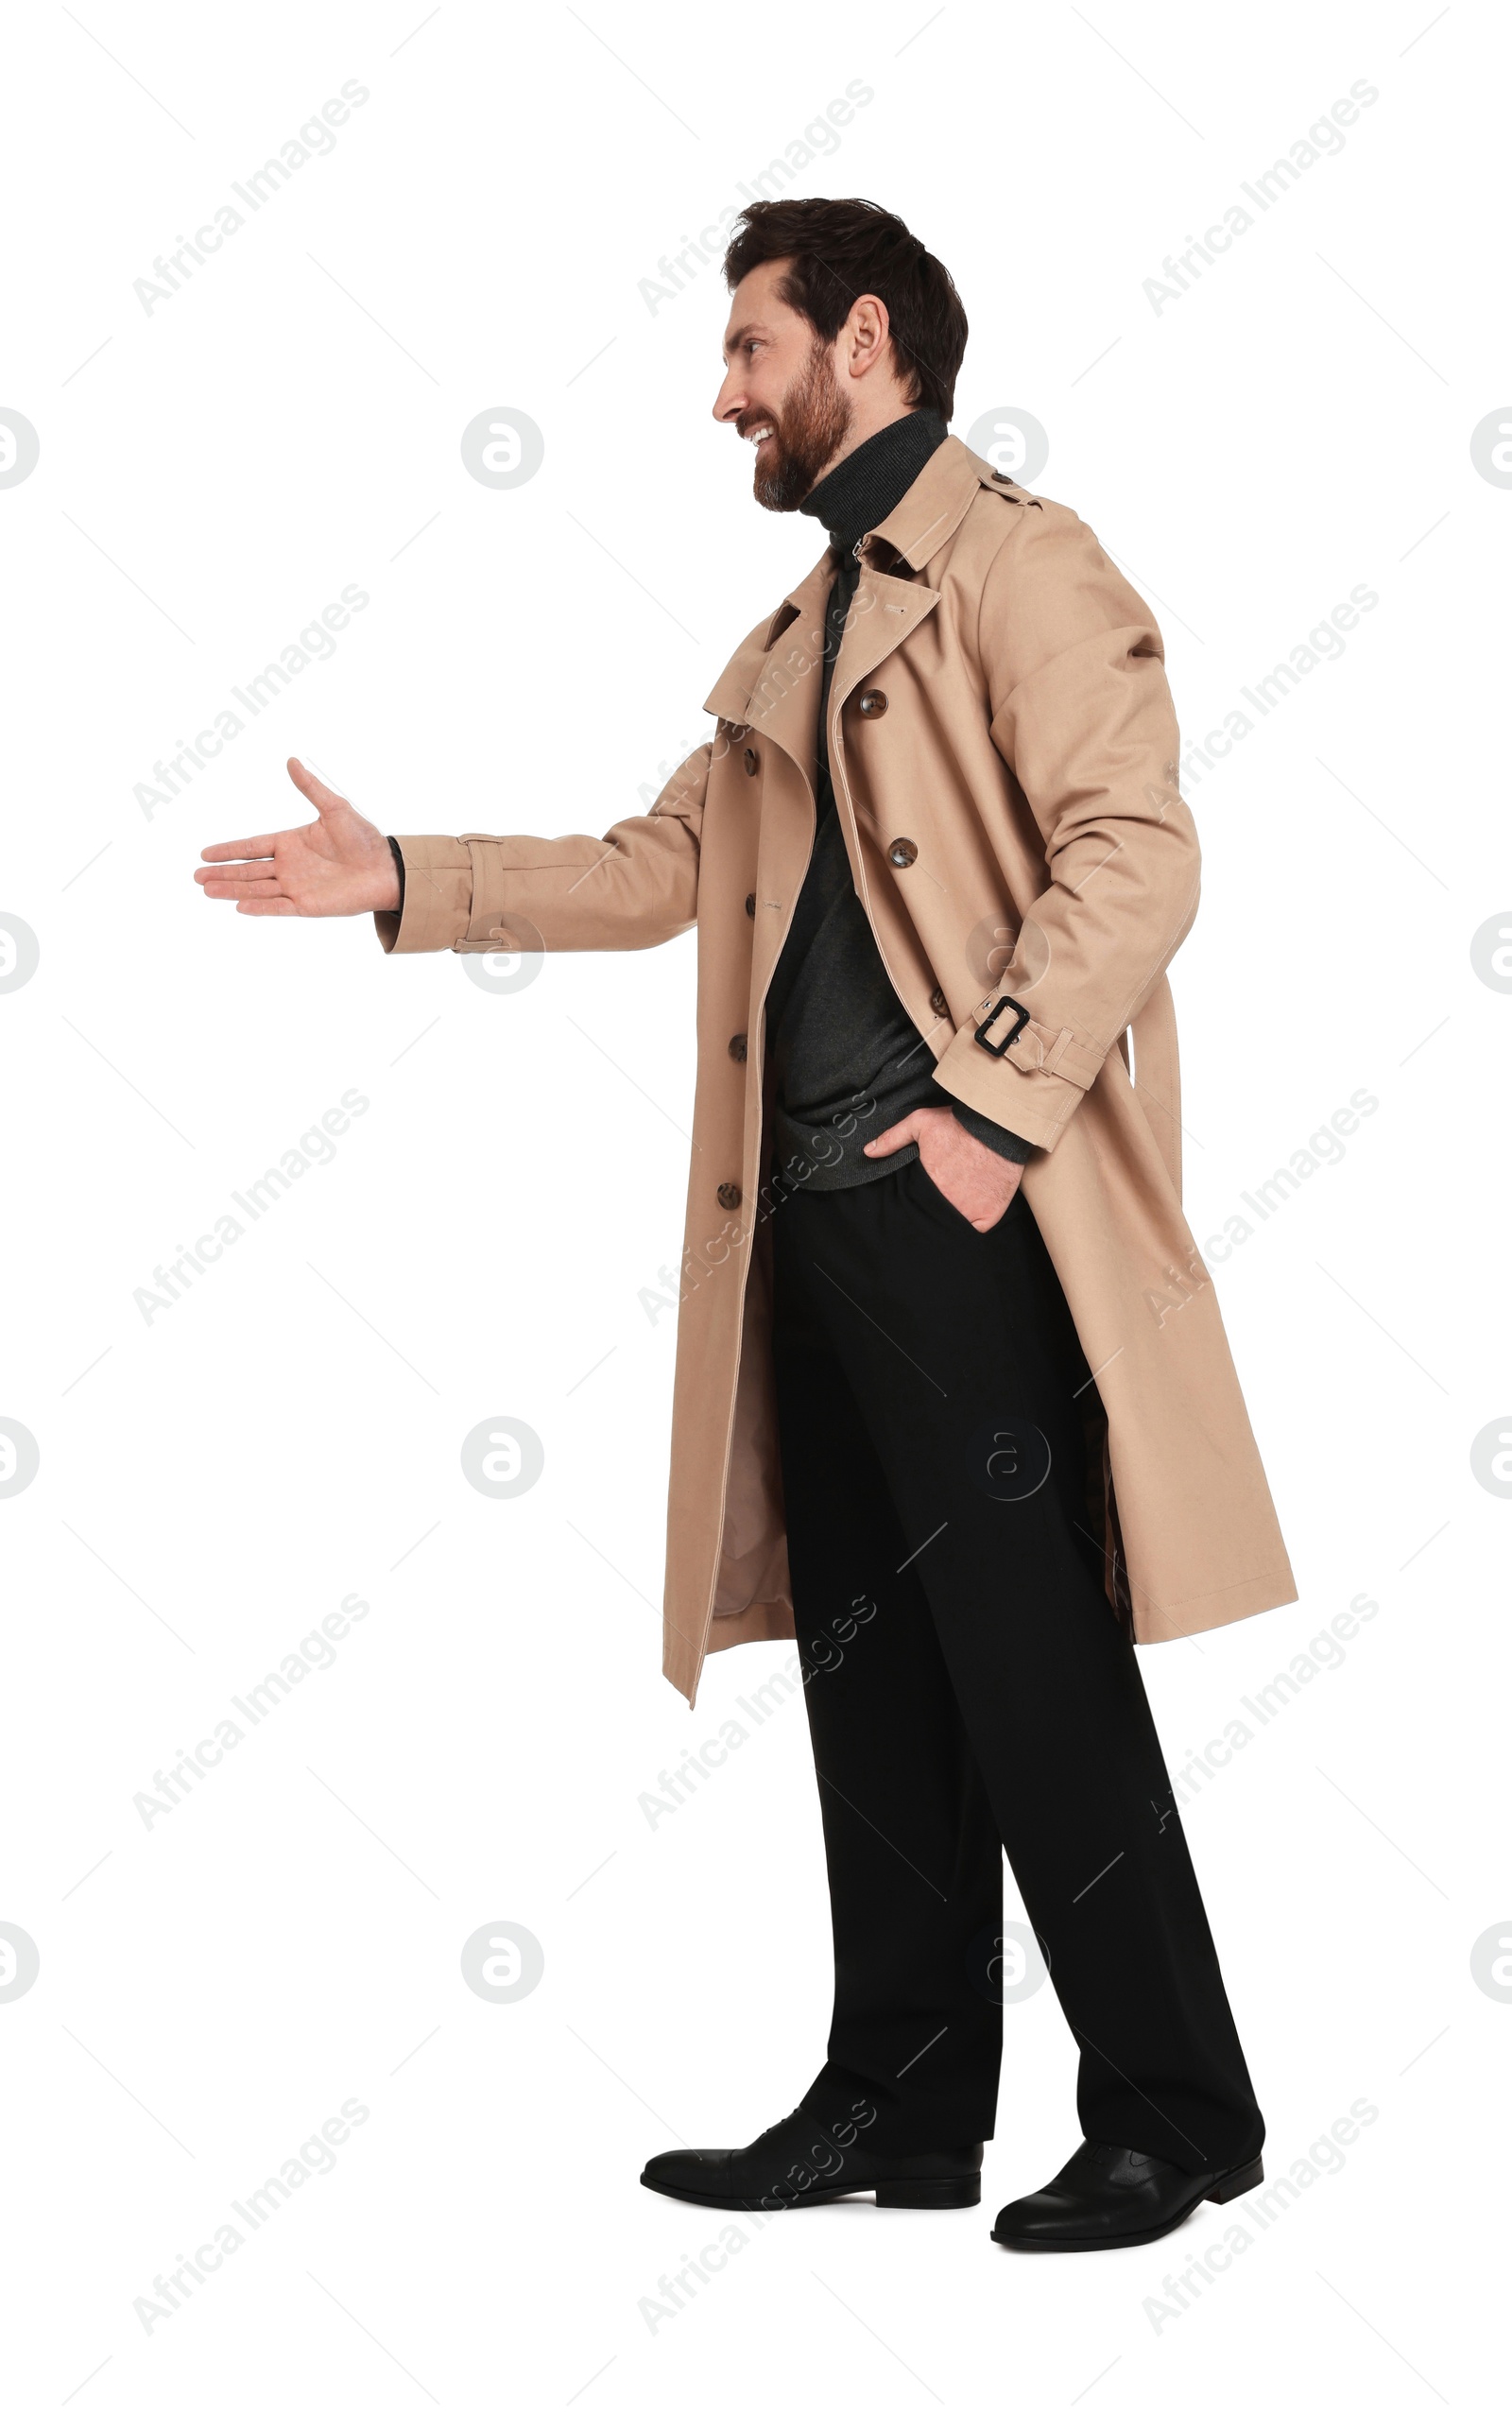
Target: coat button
{"x": 1004, "y": 477}
{"x": 737, "y": 1047}
{"x": 873, "y": 704}
{"x": 729, "y": 1194}
{"x": 749, "y": 760}
{"x": 936, "y": 1001}
{"x": 902, "y": 853}
{"x": 750, "y": 906}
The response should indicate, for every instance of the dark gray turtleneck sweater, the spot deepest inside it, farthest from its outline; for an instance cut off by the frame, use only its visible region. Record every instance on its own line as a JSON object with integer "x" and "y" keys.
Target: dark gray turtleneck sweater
{"x": 846, "y": 1056}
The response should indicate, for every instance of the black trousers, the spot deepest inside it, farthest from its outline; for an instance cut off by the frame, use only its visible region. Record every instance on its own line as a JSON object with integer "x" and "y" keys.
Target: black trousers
{"x": 971, "y": 1691}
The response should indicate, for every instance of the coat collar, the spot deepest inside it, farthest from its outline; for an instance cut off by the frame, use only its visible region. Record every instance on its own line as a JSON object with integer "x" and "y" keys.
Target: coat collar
{"x": 933, "y": 507}
{"x": 756, "y": 690}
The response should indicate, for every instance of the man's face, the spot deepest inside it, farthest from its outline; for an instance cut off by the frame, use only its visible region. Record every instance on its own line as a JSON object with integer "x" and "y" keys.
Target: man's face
{"x": 781, "y": 387}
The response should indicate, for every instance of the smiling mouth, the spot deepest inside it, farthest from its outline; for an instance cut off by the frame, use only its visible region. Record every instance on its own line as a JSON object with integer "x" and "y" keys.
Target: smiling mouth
{"x": 760, "y": 436}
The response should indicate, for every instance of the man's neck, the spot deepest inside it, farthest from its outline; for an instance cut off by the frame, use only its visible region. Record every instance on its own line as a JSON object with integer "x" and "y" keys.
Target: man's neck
{"x": 867, "y": 480}
{"x": 855, "y": 437}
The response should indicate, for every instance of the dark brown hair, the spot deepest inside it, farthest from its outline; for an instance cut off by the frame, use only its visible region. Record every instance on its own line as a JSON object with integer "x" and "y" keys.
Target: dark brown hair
{"x": 841, "y": 248}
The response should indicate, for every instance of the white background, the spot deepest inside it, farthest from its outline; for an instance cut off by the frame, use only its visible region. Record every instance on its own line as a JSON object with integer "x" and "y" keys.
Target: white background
{"x": 215, "y": 1481}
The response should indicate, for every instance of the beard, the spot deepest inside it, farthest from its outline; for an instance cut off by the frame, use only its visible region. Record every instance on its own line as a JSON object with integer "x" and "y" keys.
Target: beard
{"x": 807, "y": 433}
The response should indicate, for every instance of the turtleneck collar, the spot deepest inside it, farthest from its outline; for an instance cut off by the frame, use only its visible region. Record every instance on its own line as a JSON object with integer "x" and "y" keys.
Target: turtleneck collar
{"x": 871, "y": 481}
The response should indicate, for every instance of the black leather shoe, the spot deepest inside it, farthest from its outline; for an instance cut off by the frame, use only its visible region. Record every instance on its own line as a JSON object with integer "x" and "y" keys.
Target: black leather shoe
{"x": 800, "y": 2160}
{"x": 1108, "y": 2195}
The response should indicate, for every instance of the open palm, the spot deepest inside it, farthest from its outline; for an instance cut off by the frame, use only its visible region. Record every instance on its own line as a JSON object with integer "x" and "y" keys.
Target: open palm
{"x": 339, "y": 863}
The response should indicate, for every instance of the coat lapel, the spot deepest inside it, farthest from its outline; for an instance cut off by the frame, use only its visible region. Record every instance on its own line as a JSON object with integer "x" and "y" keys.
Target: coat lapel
{"x": 771, "y": 682}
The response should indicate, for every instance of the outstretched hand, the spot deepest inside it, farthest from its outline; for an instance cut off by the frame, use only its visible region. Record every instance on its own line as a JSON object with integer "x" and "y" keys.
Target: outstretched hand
{"x": 336, "y": 864}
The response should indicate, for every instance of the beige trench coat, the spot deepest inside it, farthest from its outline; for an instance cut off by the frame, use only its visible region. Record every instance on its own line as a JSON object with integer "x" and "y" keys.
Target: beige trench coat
{"x": 1014, "y": 828}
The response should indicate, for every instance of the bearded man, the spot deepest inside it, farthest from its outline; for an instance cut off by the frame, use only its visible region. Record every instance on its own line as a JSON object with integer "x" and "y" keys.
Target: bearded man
{"x": 955, "y": 1410}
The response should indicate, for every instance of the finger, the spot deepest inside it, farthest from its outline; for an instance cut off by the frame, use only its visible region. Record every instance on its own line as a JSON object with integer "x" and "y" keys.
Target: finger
{"x": 237, "y": 889}
{"x": 230, "y": 850}
{"x": 896, "y": 1136}
{"x": 268, "y": 904}
{"x": 325, "y": 800}
{"x": 261, "y": 868}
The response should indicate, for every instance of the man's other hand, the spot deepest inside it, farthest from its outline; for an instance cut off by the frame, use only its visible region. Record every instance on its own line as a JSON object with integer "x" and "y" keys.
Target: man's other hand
{"x": 978, "y": 1183}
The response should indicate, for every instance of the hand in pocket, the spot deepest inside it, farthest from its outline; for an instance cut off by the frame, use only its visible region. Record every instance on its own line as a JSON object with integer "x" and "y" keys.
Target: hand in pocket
{"x": 978, "y": 1183}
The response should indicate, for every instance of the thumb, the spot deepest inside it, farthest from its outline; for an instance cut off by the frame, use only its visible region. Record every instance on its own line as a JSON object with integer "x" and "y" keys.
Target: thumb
{"x": 897, "y": 1135}
{"x": 325, "y": 800}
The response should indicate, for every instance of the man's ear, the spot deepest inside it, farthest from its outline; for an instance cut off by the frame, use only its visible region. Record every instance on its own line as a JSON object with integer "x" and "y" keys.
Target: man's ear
{"x": 869, "y": 329}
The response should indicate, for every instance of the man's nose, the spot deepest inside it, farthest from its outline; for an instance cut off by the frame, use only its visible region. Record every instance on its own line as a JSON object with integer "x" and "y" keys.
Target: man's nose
{"x": 729, "y": 401}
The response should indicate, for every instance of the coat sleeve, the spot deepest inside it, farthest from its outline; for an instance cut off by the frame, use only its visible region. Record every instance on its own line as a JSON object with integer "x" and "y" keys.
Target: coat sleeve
{"x": 1082, "y": 716}
{"x": 634, "y": 887}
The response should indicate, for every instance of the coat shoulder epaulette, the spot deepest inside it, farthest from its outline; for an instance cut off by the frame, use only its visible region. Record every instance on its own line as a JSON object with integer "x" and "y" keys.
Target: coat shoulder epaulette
{"x": 997, "y": 481}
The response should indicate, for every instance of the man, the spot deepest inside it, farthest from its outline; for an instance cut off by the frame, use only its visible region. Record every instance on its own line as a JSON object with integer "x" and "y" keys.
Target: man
{"x": 953, "y": 1404}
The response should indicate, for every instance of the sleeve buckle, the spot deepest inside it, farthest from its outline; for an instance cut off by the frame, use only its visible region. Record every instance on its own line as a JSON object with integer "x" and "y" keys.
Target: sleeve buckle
{"x": 1001, "y": 1046}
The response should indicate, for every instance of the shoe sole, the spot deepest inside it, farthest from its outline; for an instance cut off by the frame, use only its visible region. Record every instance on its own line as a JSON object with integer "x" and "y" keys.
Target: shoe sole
{"x": 1234, "y": 2182}
{"x": 890, "y": 2194}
